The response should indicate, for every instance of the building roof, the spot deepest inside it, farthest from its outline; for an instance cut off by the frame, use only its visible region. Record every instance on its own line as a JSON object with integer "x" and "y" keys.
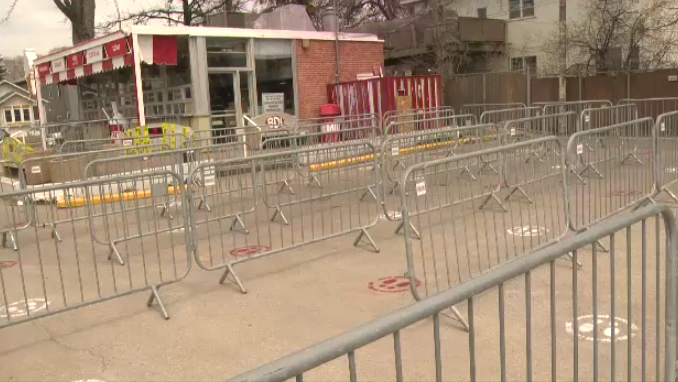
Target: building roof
{"x": 209, "y": 32}
{"x": 5, "y": 97}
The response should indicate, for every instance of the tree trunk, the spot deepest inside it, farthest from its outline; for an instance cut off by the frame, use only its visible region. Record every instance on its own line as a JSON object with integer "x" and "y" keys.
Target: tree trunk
{"x": 81, "y": 15}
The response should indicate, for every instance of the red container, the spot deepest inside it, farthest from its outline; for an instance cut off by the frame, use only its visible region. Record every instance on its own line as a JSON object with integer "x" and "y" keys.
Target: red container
{"x": 330, "y": 122}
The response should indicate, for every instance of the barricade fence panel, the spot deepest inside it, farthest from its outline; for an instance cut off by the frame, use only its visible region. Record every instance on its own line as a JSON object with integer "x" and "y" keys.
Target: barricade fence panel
{"x": 479, "y": 108}
{"x": 327, "y": 123}
{"x": 610, "y": 169}
{"x": 652, "y": 107}
{"x": 560, "y": 125}
{"x": 351, "y": 126}
{"x": 468, "y": 226}
{"x": 412, "y": 126}
{"x": 258, "y": 208}
{"x": 445, "y": 110}
{"x": 529, "y": 319}
{"x": 574, "y": 106}
{"x": 302, "y": 139}
{"x": 51, "y": 276}
{"x": 606, "y": 116}
{"x": 500, "y": 116}
{"x": 420, "y": 119}
{"x": 666, "y": 153}
{"x": 398, "y": 152}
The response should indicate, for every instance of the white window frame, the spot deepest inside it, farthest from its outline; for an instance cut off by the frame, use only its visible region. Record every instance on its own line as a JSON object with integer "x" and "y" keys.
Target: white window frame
{"x": 521, "y": 10}
{"x": 21, "y": 109}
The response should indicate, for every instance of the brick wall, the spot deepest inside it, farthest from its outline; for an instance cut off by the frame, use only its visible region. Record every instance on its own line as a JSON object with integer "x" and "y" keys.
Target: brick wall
{"x": 316, "y": 68}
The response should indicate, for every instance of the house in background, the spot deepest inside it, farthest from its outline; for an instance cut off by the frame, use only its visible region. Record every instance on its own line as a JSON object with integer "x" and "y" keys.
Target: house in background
{"x": 17, "y": 107}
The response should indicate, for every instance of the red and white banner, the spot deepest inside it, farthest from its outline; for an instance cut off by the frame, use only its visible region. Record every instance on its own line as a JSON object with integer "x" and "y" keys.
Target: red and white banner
{"x": 94, "y": 55}
{"x": 109, "y": 56}
{"x": 74, "y": 60}
{"x": 59, "y": 65}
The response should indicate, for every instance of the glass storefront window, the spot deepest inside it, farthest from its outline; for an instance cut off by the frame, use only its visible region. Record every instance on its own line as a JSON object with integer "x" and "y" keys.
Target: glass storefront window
{"x": 226, "y": 52}
{"x": 275, "y": 75}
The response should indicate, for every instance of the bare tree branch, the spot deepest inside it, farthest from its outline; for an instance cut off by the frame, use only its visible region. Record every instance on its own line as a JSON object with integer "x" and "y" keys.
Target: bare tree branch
{"x": 9, "y": 12}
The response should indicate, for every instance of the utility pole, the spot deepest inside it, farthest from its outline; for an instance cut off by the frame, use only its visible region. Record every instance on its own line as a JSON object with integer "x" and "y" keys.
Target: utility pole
{"x": 562, "y": 45}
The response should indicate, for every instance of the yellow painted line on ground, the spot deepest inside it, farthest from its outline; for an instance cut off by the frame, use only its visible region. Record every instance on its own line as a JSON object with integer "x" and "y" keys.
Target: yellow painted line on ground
{"x": 109, "y": 198}
{"x": 407, "y": 150}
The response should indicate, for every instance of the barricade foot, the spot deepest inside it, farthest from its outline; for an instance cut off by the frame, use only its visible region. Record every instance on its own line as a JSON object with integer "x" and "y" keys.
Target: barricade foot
{"x": 238, "y": 220}
{"x": 286, "y": 186}
{"x": 494, "y": 197}
{"x": 55, "y": 234}
{"x": 11, "y": 236}
{"x": 236, "y": 280}
{"x": 365, "y": 234}
{"x": 633, "y": 157}
{"x": 522, "y": 193}
{"x": 278, "y": 212}
{"x": 368, "y": 191}
{"x": 456, "y": 315}
{"x": 399, "y": 163}
{"x": 570, "y": 258}
{"x": 414, "y": 230}
{"x": 165, "y": 211}
{"x": 395, "y": 187}
{"x": 487, "y": 165}
{"x": 312, "y": 179}
{"x": 156, "y": 296}
{"x": 535, "y": 155}
{"x": 466, "y": 170}
{"x": 670, "y": 194}
{"x": 591, "y": 168}
{"x": 114, "y": 251}
{"x": 204, "y": 203}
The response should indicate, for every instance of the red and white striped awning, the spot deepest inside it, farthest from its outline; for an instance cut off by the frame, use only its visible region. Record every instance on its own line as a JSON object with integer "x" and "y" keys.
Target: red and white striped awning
{"x": 97, "y": 58}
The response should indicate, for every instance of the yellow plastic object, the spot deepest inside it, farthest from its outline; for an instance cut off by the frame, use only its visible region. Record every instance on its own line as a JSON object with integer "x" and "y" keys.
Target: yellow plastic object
{"x": 13, "y": 150}
{"x": 110, "y": 198}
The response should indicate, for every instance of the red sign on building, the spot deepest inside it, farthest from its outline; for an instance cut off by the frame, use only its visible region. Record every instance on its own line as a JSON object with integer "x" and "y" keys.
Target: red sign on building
{"x": 74, "y": 60}
{"x": 116, "y": 48}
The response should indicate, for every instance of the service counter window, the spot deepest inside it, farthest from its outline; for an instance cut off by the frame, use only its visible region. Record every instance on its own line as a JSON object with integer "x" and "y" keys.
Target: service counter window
{"x": 275, "y": 75}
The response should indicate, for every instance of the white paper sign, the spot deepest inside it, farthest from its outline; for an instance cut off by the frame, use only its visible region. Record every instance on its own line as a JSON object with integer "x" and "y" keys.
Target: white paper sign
{"x": 513, "y": 132}
{"x": 35, "y": 170}
{"x": 240, "y": 131}
{"x": 273, "y": 102}
{"x": 587, "y": 118}
{"x": 156, "y": 141}
{"x": 663, "y": 126}
{"x": 59, "y": 65}
{"x": 94, "y": 55}
{"x": 210, "y": 180}
{"x": 395, "y": 150}
{"x": 580, "y": 149}
{"x": 421, "y": 188}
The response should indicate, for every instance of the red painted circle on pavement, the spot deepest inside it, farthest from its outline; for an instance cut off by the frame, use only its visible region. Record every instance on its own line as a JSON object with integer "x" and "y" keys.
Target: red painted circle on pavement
{"x": 391, "y": 284}
{"x": 250, "y": 250}
{"x": 7, "y": 264}
{"x": 624, "y": 193}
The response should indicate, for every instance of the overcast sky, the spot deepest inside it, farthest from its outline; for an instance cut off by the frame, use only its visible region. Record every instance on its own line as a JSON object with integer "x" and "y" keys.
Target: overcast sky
{"x": 40, "y": 25}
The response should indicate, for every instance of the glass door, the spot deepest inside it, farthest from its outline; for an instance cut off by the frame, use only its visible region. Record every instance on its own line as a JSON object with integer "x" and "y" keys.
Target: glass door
{"x": 223, "y": 102}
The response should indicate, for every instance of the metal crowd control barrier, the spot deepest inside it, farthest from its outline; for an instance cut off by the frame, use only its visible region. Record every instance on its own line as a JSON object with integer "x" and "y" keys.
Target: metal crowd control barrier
{"x": 652, "y": 107}
{"x": 575, "y": 106}
{"x": 502, "y": 115}
{"x": 354, "y": 120}
{"x": 666, "y": 153}
{"x": 309, "y": 215}
{"x": 594, "y": 118}
{"x": 86, "y": 145}
{"x": 420, "y": 119}
{"x": 303, "y": 140}
{"x": 409, "y": 127}
{"x": 528, "y": 319}
{"x": 478, "y": 109}
{"x": 560, "y": 125}
{"x": 337, "y": 126}
{"x": 398, "y": 152}
{"x": 50, "y": 277}
{"x": 25, "y": 214}
{"x": 615, "y": 176}
{"x": 467, "y": 228}
{"x": 447, "y": 110}
{"x": 65, "y": 168}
